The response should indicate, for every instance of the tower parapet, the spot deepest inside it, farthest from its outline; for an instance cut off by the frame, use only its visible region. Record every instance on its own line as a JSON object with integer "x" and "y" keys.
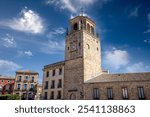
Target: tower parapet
{"x": 82, "y": 23}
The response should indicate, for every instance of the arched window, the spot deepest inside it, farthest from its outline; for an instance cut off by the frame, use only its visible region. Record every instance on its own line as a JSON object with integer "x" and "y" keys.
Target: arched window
{"x": 82, "y": 25}
{"x": 72, "y": 96}
{"x": 79, "y": 44}
{"x": 88, "y": 46}
{"x": 97, "y": 48}
{"x": 75, "y": 26}
{"x": 7, "y": 87}
{"x": 92, "y": 30}
{"x": 1, "y": 87}
{"x": 88, "y": 27}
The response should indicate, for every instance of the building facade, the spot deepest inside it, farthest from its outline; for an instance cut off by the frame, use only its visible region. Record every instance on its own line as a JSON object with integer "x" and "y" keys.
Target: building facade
{"x": 25, "y": 84}
{"x": 53, "y": 76}
{"x": 38, "y": 95}
{"x": 6, "y": 85}
{"x": 84, "y": 77}
{"x": 132, "y": 86}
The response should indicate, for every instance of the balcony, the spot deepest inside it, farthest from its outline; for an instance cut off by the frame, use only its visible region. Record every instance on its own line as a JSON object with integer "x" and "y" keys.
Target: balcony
{"x": 25, "y": 89}
{"x": 31, "y": 81}
{"x": 18, "y": 80}
{"x": 31, "y": 89}
{"x": 17, "y": 89}
{"x": 25, "y": 81}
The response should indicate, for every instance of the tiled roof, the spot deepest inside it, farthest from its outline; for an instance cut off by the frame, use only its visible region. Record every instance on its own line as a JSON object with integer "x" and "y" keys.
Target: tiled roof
{"x": 26, "y": 71}
{"x": 6, "y": 77}
{"x": 123, "y": 77}
{"x": 55, "y": 64}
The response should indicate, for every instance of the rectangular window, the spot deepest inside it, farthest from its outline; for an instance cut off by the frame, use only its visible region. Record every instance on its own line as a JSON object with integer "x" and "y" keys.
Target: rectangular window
{"x": 96, "y": 94}
{"x": 31, "y": 86}
{"x": 60, "y": 71}
{"x": 27, "y": 77}
{"x": 141, "y": 93}
{"x": 32, "y": 78}
{"x": 45, "y": 95}
{"x": 53, "y": 73}
{"x": 24, "y": 96}
{"x": 59, "y": 95}
{"x": 52, "y": 84}
{"x": 19, "y": 78}
{"x": 110, "y": 93}
{"x": 59, "y": 83}
{"x": 7, "y": 87}
{"x": 52, "y": 95}
{"x": 19, "y": 86}
{"x": 25, "y": 86}
{"x": 47, "y": 74}
{"x": 125, "y": 93}
{"x": 46, "y": 85}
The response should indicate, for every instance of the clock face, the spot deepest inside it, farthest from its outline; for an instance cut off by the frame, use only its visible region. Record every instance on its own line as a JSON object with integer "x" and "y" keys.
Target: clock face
{"x": 74, "y": 46}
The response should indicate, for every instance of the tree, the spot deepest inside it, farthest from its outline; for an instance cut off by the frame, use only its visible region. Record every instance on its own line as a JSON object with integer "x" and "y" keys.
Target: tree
{"x": 9, "y": 97}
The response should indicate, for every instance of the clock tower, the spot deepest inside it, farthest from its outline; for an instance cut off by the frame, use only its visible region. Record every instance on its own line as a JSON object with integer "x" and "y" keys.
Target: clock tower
{"x": 82, "y": 56}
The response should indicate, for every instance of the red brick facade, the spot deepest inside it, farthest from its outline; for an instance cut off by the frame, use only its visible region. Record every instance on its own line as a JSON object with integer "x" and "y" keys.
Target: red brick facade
{"x": 6, "y": 85}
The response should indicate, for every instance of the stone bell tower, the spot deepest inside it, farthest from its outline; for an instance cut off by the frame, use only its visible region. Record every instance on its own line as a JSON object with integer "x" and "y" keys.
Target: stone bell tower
{"x": 82, "y": 56}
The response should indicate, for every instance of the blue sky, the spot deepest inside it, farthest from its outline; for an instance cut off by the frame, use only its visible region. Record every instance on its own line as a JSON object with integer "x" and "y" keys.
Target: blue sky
{"x": 32, "y": 34}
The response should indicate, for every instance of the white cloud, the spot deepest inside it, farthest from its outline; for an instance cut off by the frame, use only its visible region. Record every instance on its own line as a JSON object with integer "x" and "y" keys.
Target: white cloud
{"x": 119, "y": 61}
{"x": 137, "y": 67}
{"x": 8, "y": 66}
{"x": 58, "y": 31}
{"x": 73, "y": 5}
{"x": 28, "y": 21}
{"x": 115, "y": 59}
{"x": 62, "y": 4}
{"x": 27, "y": 53}
{"x": 8, "y": 41}
{"x": 53, "y": 47}
{"x": 134, "y": 12}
